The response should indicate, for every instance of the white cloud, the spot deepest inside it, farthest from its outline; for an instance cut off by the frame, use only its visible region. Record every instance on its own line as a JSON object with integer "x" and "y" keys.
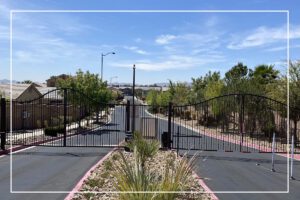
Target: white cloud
{"x": 136, "y": 50}
{"x": 189, "y": 41}
{"x": 282, "y": 48}
{"x": 262, "y": 36}
{"x": 165, "y": 39}
{"x": 171, "y": 62}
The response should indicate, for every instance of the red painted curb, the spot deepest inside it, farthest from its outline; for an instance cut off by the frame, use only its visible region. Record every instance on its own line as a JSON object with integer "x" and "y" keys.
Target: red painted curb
{"x": 87, "y": 174}
{"x": 205, "y": 187}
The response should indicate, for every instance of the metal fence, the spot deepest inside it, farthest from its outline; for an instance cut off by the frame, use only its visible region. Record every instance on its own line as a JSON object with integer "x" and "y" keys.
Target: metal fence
{"x": 235, "y": 122}
{"x": 65, "y": 117}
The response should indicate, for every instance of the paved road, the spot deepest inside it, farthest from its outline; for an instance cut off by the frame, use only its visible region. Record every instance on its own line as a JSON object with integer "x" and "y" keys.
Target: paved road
{"x": 46, "y": 169}
{"x": 235, "y": 171}
{"x": 58, "y": 168}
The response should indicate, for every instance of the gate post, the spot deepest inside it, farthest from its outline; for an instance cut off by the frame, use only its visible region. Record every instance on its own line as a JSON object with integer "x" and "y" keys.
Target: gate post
{"x": 127, "y": 117}
{"x": 170, "y": 112}
{"x": 65, "y": 117}
{"x": 3, "y": 123}
{"x": 242, "y": 121}
{"x": 292, "y": 158}
{"x": 273, "y": 152}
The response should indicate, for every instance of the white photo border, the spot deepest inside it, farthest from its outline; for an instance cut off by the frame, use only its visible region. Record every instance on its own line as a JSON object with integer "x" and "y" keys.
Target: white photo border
{"x": 155, "y": 11}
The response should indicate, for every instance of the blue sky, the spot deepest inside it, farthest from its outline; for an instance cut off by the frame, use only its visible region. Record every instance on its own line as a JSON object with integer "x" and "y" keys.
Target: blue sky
{"x": 163, "y": 46}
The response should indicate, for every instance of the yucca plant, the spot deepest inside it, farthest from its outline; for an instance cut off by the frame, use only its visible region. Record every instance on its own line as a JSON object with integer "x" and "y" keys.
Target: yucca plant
{"x": 176, "y": 176}
{"x": 132, "y": 177}
{"x": 145, "y": 149}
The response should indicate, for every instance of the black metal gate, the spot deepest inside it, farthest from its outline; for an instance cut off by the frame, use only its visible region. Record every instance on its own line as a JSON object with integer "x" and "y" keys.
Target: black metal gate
{"x": 65, "y": 117}
{"x": 235, "y": 122}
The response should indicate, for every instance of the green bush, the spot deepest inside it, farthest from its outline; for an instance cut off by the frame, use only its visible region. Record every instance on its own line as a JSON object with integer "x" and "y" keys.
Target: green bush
{"x": 194, "y": 116}
{"x": 108, "y": 165}
{"x": 145, "y": 149}
{"x": 46, "y": 125}
{"x": 208, "y": 121}
{"x": 175, "y": 177}
{"x": 187, "y": 115}
{"x": 38, "y": 123}
{"x": 54, "y": 130}
{"x": 134, "y": 177}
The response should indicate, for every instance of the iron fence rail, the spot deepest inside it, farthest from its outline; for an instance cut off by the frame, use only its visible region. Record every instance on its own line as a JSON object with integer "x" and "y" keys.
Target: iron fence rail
{"x": 65, "y": 117}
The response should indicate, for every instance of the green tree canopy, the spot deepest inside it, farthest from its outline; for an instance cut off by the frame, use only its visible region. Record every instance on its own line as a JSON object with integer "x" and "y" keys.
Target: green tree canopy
{"x": 90, "y": 85}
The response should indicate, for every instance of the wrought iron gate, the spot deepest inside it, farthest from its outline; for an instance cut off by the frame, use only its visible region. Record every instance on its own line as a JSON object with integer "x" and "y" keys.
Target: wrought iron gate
{"x": 65, "y": 117}
{"x": 235, "y": 122}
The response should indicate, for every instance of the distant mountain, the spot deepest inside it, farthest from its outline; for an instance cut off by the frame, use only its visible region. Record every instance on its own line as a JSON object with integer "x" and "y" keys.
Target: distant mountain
{"x": 7, "y": 81}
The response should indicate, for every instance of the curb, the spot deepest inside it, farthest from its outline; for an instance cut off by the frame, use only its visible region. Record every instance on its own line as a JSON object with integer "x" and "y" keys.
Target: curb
{"x": 87, "y": 174}
{"x": 204, "y": 186}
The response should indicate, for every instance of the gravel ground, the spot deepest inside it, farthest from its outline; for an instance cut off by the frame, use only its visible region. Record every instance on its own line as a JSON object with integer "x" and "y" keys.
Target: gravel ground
{"x": 102, "y": 179}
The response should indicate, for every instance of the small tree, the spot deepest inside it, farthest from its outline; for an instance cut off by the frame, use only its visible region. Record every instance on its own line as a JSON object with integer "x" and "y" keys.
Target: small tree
{"x": 27, "y": 82}
{"x": 96, "y": 94}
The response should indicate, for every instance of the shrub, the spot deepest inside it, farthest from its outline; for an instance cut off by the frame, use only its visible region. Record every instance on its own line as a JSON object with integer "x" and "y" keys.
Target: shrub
{"x": 108, "y": 165}
{"x": 46, "y": 123}
{"x": 92, "y": 182}
{"x": 38, "y": 123}
{"x": 133, "y": 177}
{"x": 115, "y": 157}
{"x": 207, "y": 121}
{"x": 54, "y": 130}
{"x": 187, "y": 115}
{"x": 105, "y": 174}
{"x": 176, "y": 176}
{"x": 194, "y": 116}
{"x": 145, "y": 149}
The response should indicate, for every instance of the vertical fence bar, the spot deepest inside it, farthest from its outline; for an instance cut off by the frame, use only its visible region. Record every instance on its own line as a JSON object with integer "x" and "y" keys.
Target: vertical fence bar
{"x": 133, "y": 101}
{"x": 65, "y": 117}
{"x": 127, "y": 116}
{"x": 178, "y": 128}
{"x": 292, "y": 157}
{"x": 3, "y": 123}
{"x": 242, "y": 122}
{"x": 273, "y": 152}
{"x": 169, "y": 124}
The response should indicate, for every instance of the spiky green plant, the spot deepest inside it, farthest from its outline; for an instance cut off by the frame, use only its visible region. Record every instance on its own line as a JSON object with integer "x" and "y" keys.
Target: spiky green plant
{"x": 176, "y": 176}
{"x": 132, "y": 177}
{"x": 145, "y": 149}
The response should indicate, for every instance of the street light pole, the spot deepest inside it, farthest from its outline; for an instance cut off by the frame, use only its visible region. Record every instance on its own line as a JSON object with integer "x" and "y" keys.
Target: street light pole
{"x": 102, "y": 55}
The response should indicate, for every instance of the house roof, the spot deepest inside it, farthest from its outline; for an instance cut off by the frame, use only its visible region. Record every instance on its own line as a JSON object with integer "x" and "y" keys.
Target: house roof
{"x": 17, "y": 90}
{"x": 20, "y": 89}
